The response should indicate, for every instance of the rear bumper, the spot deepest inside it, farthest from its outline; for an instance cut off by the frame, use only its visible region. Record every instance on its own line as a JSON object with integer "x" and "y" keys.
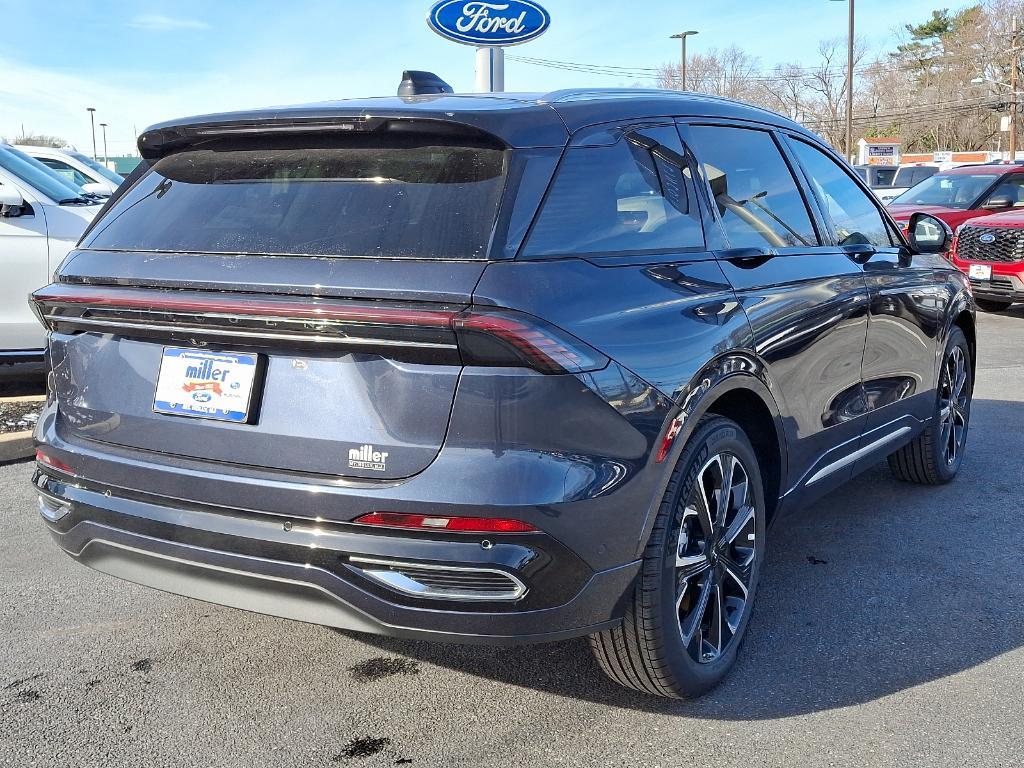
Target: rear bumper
{"x": 312, "y": 573}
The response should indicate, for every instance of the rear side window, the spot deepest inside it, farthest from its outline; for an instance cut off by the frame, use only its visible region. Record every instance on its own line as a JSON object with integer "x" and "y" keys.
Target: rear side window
{"x": 757, "y": 197}
{"x": 631, "y": 196}
{"x": 854, "y": 215}
{"x": 396, "y": 197}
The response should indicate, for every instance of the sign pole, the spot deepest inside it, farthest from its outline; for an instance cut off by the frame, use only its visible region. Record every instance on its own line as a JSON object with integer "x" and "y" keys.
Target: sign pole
{"x": 490, "y": 70}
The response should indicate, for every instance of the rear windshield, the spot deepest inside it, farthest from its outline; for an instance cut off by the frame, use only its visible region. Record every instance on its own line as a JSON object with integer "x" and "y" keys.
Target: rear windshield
{"x": 411, "y": 197}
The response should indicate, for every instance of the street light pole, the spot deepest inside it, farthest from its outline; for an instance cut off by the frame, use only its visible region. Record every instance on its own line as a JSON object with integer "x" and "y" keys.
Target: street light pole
{"x": 92, "y": 122}
{"x": 104, "y": 127}
{"x": 1014, "y": 63}
{"x": 682, "y": 66}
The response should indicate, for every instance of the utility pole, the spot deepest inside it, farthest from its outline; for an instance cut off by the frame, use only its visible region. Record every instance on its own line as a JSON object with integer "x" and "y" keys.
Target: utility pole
{"x": 1014, "y": 66}
{"x": 682, "y": 65}
{"x": 104, "y": 127}
{"x": 92, "y": 122}
{"x": 849, "y": 88}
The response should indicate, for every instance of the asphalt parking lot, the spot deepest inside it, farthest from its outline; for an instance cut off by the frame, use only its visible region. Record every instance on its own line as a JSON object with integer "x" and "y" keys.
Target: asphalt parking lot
{"x": 889, "y": 631}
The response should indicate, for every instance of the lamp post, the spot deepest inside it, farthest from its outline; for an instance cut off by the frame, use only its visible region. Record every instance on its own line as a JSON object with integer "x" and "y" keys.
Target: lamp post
{"x": 849, "y": 80}
{"x": 104, "y": 127}
{"x": 92, "y": 122}
{"x": 682, "y": 67}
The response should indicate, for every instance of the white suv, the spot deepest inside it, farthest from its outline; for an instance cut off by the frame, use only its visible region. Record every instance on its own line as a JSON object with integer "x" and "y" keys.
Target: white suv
{"x": 82, "y": 170}
{"x": 41, "y": 218}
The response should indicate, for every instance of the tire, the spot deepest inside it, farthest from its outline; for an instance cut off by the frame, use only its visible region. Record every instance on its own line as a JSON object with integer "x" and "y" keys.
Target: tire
{"x": 648, "y": 651}
{"x": 934, "y": 457}
{"x": 993, "y": 305}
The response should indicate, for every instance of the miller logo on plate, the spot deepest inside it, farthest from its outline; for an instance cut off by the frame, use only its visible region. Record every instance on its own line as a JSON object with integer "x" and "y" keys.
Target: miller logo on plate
{"x": 488, "y": 24}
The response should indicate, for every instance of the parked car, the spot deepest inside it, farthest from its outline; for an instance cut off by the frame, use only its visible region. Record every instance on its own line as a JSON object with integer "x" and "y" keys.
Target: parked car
{"x": 962, "y": 193}
{"x": 41, "y": 218}
{"x": 906, "y": 177}
{"x": 92, "y": 176}
{"x": 890, "y": 181}
{"x": 990, "y": 251}
{"x": 491, "y": 369}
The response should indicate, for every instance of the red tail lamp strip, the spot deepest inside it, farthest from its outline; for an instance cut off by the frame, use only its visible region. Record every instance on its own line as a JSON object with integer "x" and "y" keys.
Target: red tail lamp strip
{"x": 534, "y": 342}
{"x": 442, "y": 523}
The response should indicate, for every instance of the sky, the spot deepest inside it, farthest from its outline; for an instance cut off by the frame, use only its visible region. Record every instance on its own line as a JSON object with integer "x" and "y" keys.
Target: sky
{"x": 140, "y": 63}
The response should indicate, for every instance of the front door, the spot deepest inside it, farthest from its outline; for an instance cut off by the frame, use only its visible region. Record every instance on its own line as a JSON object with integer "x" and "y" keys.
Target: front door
{"x": 906, "y": 306}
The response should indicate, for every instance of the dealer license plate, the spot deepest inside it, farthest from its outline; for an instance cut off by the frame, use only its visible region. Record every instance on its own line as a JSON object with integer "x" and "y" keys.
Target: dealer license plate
{"x": 207, "y": 385}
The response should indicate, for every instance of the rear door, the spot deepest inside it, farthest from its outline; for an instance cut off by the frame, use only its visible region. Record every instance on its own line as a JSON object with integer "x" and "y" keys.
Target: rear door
{"x": 805, "y": 298}
{"x": 283, "y": 303}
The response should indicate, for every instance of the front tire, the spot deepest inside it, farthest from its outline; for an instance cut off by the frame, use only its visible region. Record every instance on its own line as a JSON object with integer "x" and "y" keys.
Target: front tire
{"x": 699, "y": 574}
{"x": 934, "y": 457}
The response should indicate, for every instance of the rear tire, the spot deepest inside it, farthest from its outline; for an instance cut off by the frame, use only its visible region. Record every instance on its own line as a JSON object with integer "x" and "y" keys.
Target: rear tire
{"x": 993, "y": 305}
{"x": 699, "y": 574}
{"x": 934, "y": 457}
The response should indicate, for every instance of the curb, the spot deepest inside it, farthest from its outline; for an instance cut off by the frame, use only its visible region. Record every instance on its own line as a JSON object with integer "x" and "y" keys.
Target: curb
{"x": 18, "y": 445}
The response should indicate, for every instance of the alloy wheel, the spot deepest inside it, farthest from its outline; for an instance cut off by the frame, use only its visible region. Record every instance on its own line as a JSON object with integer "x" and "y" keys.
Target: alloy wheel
{"x": 715, "y": 557}
{"x": 954, "y": 405}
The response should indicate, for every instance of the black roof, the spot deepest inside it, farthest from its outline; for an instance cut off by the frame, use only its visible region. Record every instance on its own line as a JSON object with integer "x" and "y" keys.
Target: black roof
{"x": 518, "y": 119}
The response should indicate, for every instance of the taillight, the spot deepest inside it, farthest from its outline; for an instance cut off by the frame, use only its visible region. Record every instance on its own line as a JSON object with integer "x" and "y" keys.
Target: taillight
{"x": 501, "y": 337}
{"x": 444, "y": 523}
{"x": 426, "y": 332}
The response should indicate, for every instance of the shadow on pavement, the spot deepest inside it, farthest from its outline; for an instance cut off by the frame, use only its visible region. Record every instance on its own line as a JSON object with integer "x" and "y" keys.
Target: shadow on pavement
{"x": 879, "y": 587}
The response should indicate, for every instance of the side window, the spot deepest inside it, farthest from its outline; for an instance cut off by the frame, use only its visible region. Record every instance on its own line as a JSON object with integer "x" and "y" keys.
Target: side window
{"x": 1009, "y": 191}
{"x": 71, "y": 174}
{"x": 854, "y": 214}
{"x": 633, "y": 195}
{"x": 756, "y": 194}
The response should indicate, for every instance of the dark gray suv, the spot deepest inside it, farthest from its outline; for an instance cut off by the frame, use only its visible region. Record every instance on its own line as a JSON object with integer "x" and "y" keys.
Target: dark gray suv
{"x": 498, "y": 368}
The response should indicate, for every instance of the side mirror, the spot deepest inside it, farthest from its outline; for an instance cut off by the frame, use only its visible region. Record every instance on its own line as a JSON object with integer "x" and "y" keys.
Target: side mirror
{"x": 95, "y": 188}
{"x": 11, "y": 201}
{"x": 929, "y": 234}
{"x": 997, "y": 203}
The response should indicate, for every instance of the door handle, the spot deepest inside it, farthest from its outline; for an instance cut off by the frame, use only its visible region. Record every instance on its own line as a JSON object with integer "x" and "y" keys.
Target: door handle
{"x": 861, "y": 253}
{"x": 747, "y": 256}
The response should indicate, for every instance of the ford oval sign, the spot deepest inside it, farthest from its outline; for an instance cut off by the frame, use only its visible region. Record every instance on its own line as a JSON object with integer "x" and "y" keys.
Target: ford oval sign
{"x": 988, "y": 237}
{"x": 488, "y": 24}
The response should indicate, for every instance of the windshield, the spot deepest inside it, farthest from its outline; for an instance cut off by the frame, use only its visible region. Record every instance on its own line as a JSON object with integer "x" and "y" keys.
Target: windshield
{"x": 884, "y": 176}
{"x": 100, "y": 168}
{"x": 38, "y": 176}
{"x": 956, "y": 190}
{"x": 397, "y": 197}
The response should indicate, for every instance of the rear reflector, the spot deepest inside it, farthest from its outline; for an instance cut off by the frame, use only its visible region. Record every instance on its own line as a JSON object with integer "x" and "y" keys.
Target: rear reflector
{"x": 49, "y": 461}
{"x": 450, "y": 334}
{"x": 437, "y": 523}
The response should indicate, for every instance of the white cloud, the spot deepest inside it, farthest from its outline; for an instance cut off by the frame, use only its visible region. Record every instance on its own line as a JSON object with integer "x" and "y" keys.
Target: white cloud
{"x": 160, "y": 23}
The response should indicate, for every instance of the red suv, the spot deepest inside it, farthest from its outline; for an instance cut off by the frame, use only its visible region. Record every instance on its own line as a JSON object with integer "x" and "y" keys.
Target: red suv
{"x": 991, "y": 251}
{"x": 963, "y": 193}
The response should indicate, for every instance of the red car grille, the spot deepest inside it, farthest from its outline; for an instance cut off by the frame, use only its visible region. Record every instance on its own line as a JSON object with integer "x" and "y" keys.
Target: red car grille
{"x": 1006, "y": 244}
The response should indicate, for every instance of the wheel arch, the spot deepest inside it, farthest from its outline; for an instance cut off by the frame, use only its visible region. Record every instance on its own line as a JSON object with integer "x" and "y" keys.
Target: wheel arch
{"x": 746, "y": 399}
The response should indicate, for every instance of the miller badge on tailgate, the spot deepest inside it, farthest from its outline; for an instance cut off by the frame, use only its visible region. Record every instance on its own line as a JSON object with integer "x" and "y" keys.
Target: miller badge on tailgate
{"x": 212, "y": 385}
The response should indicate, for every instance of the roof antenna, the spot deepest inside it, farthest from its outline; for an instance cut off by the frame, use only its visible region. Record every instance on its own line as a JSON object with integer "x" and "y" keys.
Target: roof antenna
{"x": 417, "y": 83}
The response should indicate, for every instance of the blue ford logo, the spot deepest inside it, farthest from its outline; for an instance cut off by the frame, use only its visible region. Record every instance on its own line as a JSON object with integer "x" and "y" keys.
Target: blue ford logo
{"x": 988, "y": 237}
{"x": 202, "y": 397}
{"x": 480, "y": 23}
